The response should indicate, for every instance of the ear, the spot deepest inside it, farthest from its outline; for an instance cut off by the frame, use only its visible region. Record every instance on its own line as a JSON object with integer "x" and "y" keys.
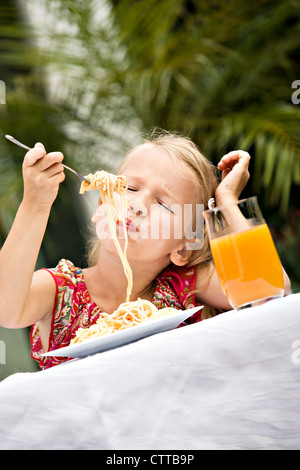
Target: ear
{"x": 180, "y": 257}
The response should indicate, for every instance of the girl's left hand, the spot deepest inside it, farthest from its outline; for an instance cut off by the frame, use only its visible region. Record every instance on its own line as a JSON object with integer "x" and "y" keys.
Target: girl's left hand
{"x": 235, "y": 174}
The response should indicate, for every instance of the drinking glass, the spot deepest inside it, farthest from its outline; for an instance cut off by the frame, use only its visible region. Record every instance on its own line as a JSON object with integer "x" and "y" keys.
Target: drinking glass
{"x": 246, "y": 260}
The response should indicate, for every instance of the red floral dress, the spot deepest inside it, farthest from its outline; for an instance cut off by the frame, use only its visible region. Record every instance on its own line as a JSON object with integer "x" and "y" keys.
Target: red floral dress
{"x": 75, "y": 309}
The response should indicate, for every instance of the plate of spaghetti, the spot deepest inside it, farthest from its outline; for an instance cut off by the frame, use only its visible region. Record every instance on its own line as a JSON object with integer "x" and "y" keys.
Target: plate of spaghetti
{"x": 131, "y": 322}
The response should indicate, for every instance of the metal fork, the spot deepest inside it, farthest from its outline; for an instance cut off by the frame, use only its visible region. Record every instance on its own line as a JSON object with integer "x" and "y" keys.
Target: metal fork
{"x": 15, "y": 141}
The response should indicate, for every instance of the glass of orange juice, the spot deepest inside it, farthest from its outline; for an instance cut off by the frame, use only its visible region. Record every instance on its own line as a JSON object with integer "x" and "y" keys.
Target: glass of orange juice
{"x": 246, "y": 260}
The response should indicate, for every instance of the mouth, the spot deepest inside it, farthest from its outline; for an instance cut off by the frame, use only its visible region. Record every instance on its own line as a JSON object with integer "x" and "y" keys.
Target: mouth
{"x": 130, "y": 227}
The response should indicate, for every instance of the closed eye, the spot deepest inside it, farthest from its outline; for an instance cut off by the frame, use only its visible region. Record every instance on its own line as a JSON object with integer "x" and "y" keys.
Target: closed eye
{"x": 161, "y": 204}
{"x": 164, "y": 206}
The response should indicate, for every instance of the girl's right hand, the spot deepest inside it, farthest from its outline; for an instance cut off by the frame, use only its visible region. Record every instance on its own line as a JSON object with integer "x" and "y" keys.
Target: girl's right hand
{"x": 42, "y": 174}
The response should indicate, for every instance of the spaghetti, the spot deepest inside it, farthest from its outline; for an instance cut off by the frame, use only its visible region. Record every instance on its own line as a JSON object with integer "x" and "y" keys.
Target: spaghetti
{"x": 105, "y": 182}
{"x": 128, "y": 314}
{"x": 109, "y": 185}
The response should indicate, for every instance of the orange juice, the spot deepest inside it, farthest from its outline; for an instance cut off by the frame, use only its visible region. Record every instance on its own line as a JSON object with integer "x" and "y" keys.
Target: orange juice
{"x": 248, "y": 265}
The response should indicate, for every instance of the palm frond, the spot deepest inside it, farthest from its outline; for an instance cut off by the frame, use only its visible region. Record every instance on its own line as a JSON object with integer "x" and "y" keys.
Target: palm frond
{"x": 221, "y": 74}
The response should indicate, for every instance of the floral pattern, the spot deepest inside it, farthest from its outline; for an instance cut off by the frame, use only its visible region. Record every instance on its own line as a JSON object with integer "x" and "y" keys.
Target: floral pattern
{"x": 75, "y": 309}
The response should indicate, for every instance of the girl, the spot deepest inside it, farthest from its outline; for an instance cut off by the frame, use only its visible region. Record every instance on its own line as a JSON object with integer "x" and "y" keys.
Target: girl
{"x": 164, "y": 175}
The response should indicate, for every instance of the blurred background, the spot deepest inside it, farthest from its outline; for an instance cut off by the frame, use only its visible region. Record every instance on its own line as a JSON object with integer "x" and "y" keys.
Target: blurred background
{"x": 90, "y": 77}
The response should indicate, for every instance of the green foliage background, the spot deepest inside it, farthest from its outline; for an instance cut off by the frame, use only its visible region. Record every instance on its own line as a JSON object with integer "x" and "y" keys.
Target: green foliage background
{"x": 88, "y": 77}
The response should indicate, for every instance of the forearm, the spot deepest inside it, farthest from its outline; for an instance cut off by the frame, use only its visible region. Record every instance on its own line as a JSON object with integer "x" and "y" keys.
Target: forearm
{"x": 18, "y": 259}
{"x": 23, "y": 302}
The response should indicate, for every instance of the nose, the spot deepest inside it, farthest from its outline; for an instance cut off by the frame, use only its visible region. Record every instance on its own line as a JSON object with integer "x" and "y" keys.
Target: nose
{"x": 136, "y": 212}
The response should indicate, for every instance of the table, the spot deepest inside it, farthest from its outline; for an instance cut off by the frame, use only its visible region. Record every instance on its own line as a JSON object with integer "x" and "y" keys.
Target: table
{"x": 230, "y": 382}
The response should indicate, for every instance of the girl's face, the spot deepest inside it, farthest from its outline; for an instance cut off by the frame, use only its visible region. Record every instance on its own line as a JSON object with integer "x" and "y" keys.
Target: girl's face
{"x": 160, "y": 194}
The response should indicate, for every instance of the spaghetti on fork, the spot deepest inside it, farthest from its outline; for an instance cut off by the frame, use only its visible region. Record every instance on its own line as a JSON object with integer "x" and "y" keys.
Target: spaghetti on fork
{"x": 104, "y": 182}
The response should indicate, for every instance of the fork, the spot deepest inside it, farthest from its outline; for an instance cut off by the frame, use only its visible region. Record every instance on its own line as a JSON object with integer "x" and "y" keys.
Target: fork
{"x": 15, "y": 141}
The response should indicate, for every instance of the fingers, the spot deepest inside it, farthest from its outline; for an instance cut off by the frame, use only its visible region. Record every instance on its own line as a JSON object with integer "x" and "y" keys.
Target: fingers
{"x": 42, "y": 174}
{"x": 52, "y": 161}
{"x": 235, "y": 175}
{"x": 55, "y": 170}
{"x": 33, "y": 155}
{"x": 36, "y": 155}
{"x": 38, "y": 158}
{"x": 233, "y": 158}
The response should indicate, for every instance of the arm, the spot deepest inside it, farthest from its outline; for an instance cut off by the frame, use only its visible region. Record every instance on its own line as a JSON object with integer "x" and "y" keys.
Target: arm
{"x": 25, "y": 297}
{"x": 210, "y": 292}
{"x": 235, "y": 174}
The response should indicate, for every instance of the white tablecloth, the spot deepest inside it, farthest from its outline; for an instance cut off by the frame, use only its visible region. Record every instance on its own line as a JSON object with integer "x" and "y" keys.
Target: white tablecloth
{"x": 231, "y": 382}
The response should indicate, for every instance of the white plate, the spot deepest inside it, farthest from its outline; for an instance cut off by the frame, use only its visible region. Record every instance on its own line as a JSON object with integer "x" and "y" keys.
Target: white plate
{"x": 114, "y": 340}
